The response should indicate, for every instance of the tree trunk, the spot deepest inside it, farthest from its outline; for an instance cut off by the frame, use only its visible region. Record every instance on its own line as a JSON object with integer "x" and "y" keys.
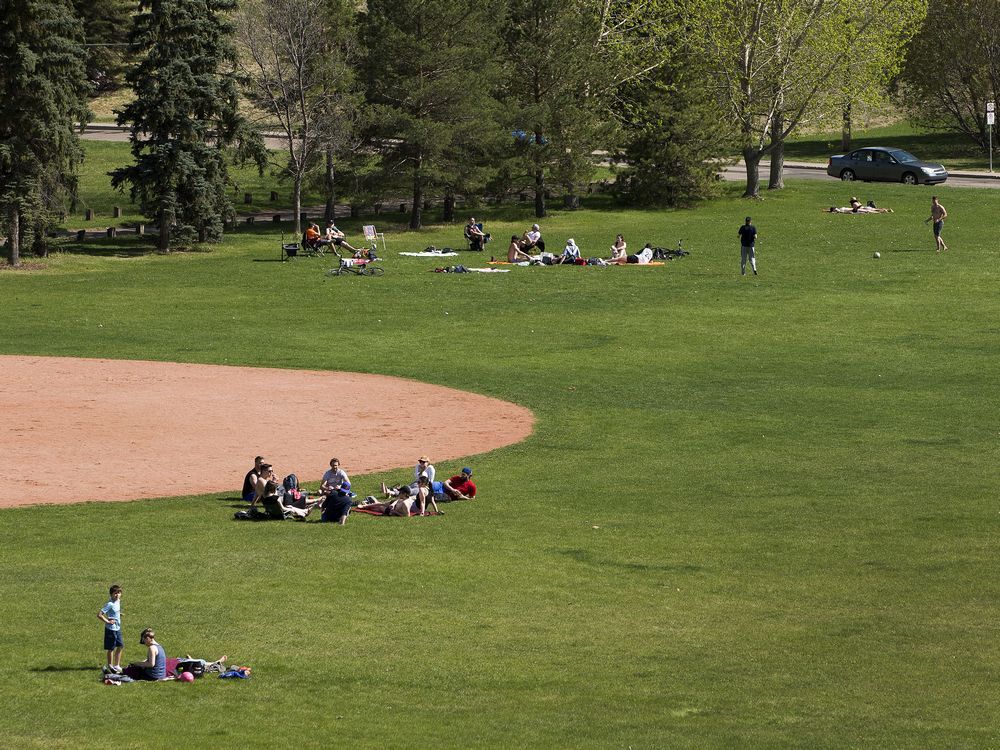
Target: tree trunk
{"x": 776, "y": 178}
{"x": 418, "y": 199}
{"x": 329, "y": 186}
{"x": 297, "y": 204}
{"x": 751, "y": 157}
{"x": 14, "y": 240}
{"x": 540, "y": 193}
{"x": 165, "y": 220}
{"x": 845, "y": 132}
{"x": 449, "y": 207}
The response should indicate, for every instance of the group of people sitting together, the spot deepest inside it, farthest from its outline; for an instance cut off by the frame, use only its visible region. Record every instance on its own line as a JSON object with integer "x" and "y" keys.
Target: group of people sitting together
{"x": 285, "y": 499}
{"x": 856, "y": 207}
{"x": 313, "y": 240}
{"x": 517, "y": 252}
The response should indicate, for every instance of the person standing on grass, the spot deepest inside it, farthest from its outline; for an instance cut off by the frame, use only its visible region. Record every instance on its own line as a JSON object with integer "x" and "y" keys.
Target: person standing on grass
{"x": 938, "y": 215}
{"x": 748, "y": 239}
{"x": 111, "y": 616}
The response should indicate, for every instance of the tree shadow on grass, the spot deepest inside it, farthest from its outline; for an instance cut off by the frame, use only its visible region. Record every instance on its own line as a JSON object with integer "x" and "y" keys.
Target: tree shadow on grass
{"x": 588, "y": 558}
{"x": 65, "y": 668}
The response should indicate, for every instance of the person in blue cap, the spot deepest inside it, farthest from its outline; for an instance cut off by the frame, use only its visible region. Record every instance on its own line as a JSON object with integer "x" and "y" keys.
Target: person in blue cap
{"x": 460, "y": 486}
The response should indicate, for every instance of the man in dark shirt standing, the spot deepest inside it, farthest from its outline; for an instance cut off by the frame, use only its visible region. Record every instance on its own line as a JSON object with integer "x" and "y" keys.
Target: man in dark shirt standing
{"x": 748, "y": 238}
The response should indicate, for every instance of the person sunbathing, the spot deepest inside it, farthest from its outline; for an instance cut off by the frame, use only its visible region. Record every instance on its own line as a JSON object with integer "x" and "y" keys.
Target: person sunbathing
{"x": 857, "y": 210}
{"x": 618, "y": 250}
{"x": 515, "y": 253}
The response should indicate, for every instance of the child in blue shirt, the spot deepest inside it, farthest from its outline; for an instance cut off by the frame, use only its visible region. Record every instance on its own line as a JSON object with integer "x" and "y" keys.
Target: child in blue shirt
{"x": 111, "y": 616}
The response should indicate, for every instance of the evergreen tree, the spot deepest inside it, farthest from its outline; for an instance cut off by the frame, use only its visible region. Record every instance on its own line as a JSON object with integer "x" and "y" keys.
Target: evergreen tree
{"x": 674, "y": 130}
{"x": 105, "y": 26}
{"x": 183, "y": 117}
{"x": 557, "y": 92}
{"x": 431, "y": 69}
{"x": 42, "y": 95}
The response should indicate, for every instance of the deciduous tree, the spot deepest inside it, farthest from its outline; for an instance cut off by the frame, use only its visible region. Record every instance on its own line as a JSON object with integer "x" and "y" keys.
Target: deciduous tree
{"x": 775, "y": 61}
{"x": 953, "y": 66}
{"x": 294, "y": 65}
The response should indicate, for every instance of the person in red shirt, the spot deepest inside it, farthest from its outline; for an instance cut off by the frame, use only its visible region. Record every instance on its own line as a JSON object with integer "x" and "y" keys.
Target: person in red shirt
{"x": 460, "y": 486}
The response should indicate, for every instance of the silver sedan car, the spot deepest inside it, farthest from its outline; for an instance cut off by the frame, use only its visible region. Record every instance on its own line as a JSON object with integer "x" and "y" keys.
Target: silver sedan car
{"x": 877, "y": 164}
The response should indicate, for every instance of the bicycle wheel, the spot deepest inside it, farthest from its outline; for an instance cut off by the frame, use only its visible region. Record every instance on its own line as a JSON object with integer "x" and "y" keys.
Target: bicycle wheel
{"x": 372, "y": 271}
{"x": 335, "y": 272}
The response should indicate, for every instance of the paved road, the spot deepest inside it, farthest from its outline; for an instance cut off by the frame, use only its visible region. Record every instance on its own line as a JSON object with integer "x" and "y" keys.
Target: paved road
{"x": 798, "y": 171}
{"x": 737, "y": 173}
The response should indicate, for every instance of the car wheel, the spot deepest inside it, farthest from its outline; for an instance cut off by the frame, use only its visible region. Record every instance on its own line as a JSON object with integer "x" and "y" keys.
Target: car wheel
{"x": 909, "y": 179}
{"x": 847, "y": 175}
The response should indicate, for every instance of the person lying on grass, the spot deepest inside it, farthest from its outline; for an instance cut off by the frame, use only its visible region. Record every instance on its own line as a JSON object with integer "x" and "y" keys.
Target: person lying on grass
{"x": 460, "y": 486}
{"x": 422, "y": 491}
{"x": 855, "y": 207}
{"x": 278, "y": 505}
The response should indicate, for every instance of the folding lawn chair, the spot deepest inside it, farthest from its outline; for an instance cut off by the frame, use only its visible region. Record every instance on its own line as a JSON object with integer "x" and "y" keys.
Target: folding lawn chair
{"x": 288, "y": 249}
{"x": 374, "y": 237}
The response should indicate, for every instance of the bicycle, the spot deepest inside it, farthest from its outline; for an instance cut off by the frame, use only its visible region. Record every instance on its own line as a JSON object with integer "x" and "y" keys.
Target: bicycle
{"x": 356, "y": 268}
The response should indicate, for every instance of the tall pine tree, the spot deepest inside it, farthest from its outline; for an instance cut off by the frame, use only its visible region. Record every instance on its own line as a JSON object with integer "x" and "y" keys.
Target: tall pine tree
{"x": 184, "y": 116}
{"x": 42, "y": 95}
{"x": 557, "y": 92}
{"x": 431, "y": 69}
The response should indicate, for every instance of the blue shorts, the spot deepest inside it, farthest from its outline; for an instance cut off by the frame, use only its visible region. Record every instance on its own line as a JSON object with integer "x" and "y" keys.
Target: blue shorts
{"x": 937, "y": 228}
{"x": 113, "y": 639}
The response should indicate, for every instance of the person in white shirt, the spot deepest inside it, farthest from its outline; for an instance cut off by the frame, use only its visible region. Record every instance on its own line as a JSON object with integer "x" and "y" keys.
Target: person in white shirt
{"x": 644, "y": 256}
{"x": 336, "y": 487}
{"x": 533, "y": 238}
{"x": 424, "y": 468}
{"x": 571, "y": 254}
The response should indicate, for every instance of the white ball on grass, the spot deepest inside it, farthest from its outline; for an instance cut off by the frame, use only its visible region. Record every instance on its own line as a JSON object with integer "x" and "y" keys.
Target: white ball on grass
{"x": 877, "y": 254}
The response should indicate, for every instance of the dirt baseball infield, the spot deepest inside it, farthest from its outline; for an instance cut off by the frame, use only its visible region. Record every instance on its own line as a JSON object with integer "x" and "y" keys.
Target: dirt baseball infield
{"x": 94, "y": 429}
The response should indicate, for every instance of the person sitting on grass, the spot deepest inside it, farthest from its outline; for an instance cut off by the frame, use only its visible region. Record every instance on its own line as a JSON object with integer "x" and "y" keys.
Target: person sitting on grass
{"x": 279, "y": 506}
{"x": 515, "y": 253}
{"x": 475, "y": 235}
{"x": 460, "y": 486}
{"x": 250, "y": 480}
{"x": 533, "y": 239}
{"x": 265, "y": 475}
{"x": 618, "y": 250}
{"x": 571, "y": 254}
{"x": 154, "y": 666}
{"x": 336, "y": 489}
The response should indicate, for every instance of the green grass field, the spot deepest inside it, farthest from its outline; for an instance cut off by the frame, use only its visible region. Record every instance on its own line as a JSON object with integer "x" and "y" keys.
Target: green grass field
{"x": 755, "y": 511}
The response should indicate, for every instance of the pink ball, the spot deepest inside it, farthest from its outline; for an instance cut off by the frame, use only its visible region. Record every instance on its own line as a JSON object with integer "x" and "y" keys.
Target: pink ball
{"x": 186, "y": 677}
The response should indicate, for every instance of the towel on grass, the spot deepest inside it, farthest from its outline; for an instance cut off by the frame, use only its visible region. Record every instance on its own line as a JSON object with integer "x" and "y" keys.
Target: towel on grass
{"x": 425, "y": 254}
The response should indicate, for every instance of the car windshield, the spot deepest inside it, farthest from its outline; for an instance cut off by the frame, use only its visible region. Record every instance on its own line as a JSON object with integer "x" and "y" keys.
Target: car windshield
{"x": 902, "y": 156}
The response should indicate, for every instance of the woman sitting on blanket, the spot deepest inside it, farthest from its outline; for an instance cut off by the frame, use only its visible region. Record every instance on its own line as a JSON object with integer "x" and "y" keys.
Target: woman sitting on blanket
{"x": 570, "y": 255}
{"x": 515, "y": 253}
{"x": 618, "y": 252}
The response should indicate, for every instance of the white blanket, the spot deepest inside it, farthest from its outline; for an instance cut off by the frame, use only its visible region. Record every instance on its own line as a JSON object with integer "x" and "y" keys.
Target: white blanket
{"x": 426, "y": 254}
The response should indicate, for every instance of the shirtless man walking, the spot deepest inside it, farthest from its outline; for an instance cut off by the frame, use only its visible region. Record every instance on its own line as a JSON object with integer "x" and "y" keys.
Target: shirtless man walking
{"x": 938, "y": 215}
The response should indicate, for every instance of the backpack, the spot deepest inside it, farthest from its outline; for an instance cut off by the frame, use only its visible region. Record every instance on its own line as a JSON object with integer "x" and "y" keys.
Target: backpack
{"x": 194, "y": 666}
{"x": 291, "y": 482}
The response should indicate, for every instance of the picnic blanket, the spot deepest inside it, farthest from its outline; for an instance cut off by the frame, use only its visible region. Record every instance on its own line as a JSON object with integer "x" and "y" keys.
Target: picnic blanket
{"x": 426, "y": 254}
{"x": 490, "y": 270}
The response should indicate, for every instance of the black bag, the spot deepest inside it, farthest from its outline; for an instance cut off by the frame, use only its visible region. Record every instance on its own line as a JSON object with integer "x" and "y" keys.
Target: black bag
{"x": 194, "y": 666}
